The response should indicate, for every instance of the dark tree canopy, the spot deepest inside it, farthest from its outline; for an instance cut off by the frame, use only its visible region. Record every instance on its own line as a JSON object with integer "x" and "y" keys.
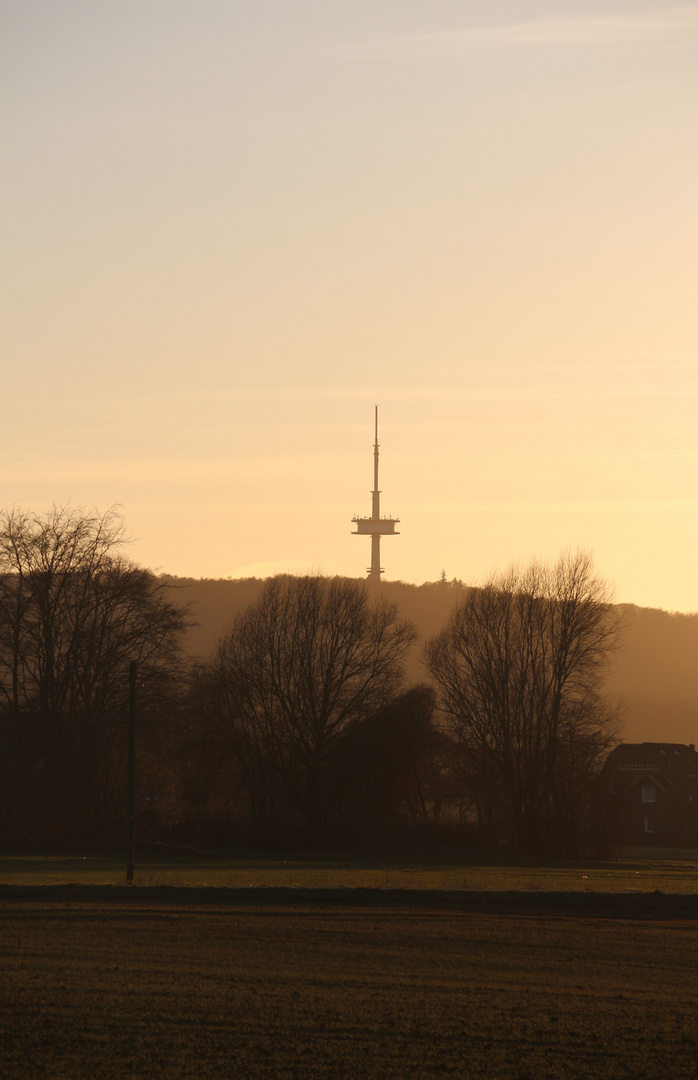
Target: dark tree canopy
{"x": 388, "y": 769}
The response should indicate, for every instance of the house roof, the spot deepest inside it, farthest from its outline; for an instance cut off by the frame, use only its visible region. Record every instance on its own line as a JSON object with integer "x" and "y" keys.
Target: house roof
{"x": 673, "y": 766}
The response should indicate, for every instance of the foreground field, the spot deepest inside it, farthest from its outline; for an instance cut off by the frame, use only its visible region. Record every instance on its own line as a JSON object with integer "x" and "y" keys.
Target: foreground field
{"x": 149, "y": 989}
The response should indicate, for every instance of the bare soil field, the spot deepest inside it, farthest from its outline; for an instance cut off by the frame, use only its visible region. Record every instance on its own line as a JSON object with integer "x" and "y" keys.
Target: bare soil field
{"x": 171, "y": 983}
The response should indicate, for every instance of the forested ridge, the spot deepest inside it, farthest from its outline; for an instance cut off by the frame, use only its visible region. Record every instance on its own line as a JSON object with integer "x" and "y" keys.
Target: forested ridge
{"x": 654, "y": 673}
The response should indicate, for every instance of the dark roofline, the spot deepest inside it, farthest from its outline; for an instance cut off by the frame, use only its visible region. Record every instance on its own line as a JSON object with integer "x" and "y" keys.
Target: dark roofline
{"x": 662, "y": 747}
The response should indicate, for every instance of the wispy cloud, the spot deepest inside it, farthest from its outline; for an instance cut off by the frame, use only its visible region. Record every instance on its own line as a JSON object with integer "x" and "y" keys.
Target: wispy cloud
{"x": 579, "y": 506}
{"x": 652, "y": 25}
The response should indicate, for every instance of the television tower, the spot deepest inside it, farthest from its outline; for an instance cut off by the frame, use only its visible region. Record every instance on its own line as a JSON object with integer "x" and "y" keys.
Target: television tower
{"x": 375, "y": 526}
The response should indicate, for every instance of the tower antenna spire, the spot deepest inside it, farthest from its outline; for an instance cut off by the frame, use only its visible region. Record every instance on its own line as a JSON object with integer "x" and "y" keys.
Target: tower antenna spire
{"x": 376, "y": 497}
{"x": 375, "y": 526}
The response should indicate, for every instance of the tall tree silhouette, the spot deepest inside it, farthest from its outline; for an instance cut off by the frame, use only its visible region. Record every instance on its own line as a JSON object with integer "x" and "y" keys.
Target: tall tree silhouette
{"x": 73, "y": 613}
{"x": 308, "y": 659}
{"x": 519, "y": 668}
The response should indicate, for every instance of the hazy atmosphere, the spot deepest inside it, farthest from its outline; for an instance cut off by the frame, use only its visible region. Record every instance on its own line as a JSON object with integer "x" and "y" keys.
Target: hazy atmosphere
{"x": 230, "y": 229}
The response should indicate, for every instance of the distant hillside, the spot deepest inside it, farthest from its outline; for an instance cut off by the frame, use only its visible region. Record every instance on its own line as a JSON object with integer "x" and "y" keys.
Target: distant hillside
{"x": 655, "y": 673}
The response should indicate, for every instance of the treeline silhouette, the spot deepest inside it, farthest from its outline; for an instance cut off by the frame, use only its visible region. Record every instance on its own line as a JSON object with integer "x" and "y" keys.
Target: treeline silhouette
{"x": 298, "y": 726}
{"x": 653, "y": 675}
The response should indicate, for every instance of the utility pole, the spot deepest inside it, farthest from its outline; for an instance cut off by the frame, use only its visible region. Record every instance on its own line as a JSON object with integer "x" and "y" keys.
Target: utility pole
{"x": 131, "y": 782}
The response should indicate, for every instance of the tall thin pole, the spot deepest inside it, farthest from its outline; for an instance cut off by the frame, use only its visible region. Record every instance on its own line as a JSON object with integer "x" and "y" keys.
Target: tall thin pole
{"x": 131, "y": 784}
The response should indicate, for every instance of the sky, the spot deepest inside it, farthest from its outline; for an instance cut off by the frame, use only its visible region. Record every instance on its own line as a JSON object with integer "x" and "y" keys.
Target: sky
{"x": 230, "y": 229}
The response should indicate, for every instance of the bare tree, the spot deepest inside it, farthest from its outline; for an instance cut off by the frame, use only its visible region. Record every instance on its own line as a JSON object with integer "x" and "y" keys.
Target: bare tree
{"x": 519, "y": 668}
{"x": 306, "y": 660}
{"x": 73, "y": 613}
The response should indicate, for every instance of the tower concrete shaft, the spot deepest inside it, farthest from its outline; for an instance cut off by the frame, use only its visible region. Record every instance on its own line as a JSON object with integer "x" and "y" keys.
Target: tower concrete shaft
{"x": 375, "y": 526}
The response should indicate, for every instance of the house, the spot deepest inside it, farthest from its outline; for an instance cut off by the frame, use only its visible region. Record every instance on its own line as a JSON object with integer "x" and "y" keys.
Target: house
{"x": 654, "y": 787}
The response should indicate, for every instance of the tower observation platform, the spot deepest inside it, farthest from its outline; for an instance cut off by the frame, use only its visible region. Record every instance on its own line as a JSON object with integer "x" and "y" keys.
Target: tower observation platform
{"x": 375, "y": 526}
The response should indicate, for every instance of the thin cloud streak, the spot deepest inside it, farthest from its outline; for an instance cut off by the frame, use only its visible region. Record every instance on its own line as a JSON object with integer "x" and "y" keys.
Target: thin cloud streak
{"x": 616, "y": 506}
{"x": 179, "y": 470}
{"x": 562, "y": 30}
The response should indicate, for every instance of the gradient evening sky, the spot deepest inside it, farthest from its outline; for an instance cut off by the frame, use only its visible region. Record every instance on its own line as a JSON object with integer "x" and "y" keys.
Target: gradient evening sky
{"x": 230, "y": 228}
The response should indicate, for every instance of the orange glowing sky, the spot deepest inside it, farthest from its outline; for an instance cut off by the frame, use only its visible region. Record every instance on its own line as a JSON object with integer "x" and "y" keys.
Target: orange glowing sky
{"x": 230, "y": 229}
